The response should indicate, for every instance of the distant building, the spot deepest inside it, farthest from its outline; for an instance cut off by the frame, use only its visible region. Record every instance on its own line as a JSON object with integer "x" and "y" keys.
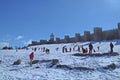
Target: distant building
{"x": 51, "y": 38}
{"x": 98, "y": 35}
{"x": 43, "y": 41}
{"x": 67, "y": 39}
{"x": 58, "y": 40}
{"x": 87, "y": 36}
{"x": 77, "y": 37}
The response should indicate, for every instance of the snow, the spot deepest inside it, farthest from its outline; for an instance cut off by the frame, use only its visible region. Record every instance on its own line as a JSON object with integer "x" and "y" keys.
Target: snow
{"x": 25, "y": 72}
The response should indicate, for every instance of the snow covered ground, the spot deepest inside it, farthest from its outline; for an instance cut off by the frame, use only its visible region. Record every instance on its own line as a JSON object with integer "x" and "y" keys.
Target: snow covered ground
{"x": 43, "y": 72}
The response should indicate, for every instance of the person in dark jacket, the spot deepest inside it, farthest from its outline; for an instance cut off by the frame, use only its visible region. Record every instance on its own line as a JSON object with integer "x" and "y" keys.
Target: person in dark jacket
{"x": 79, "y": 48}
{"x": 31, "y": 56}
{"x": 63, "y": 48}
{"x": 111, "y": 47}
{"x": 90, "y": 48}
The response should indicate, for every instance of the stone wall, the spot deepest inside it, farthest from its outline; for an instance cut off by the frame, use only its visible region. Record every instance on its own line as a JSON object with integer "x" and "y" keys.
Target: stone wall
{"x": 72, "y": 39}
{"x": 92, "y": 37}
{"x": 87, "y": 36}
{"x": 67, "y": 39}
{"x": 110, "y": 34}
{"x": 51, "y": 38}
{"x": 58, "y": 40}
{"x": 43, "y": 41}
{"x": 77, "y": 37}
{"x": 119, "y": 30}
{"x": 98, "y": 35}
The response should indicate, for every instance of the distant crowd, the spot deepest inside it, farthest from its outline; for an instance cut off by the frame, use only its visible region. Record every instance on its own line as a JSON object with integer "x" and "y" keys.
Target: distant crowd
{"x": 80, "y": 48}
{"x": 66, "y": 49}
{"x": 71, "y": 48}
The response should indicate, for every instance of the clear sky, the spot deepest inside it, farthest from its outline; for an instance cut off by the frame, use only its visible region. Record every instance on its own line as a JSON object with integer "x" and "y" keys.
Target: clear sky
{"x": 24, "y": 20}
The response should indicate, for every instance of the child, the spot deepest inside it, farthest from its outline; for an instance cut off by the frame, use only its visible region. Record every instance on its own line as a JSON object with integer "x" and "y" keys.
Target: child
{"x": 31, "y": 56}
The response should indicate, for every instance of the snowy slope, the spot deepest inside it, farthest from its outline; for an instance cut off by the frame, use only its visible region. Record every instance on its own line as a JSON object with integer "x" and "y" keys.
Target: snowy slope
{"x": 25, "y": 72}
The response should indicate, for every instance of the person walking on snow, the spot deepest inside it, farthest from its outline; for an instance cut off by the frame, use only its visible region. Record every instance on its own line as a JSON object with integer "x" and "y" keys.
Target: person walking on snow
{"x": 111, "y": 47}
{"x": 31, "y": 56}
{"x": 98, "y": 48}
{"x": 90, "y": 48}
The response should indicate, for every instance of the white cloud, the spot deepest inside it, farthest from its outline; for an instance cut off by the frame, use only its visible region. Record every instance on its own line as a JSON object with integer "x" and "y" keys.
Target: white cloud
{"x": 3, "y": 44}
{"x": 27, "y": 42}
{"x": 19, "y": 37}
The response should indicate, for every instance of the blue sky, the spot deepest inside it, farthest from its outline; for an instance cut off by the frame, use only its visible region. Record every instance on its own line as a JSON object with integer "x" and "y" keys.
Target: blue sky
{"x": 22, "y": 21}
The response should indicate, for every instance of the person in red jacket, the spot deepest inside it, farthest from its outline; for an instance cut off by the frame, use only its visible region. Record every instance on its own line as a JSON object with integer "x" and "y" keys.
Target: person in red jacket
{"x": 84, "y": 50}
{"x": 31, "y": 56}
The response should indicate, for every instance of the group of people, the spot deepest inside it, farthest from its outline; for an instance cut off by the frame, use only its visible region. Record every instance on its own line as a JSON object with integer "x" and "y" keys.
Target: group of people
{"x": 84, "y": 50}
{"x": 69, "y": 49}
{"x": 91, "y": 48}
{"x": 65, "y": 49}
